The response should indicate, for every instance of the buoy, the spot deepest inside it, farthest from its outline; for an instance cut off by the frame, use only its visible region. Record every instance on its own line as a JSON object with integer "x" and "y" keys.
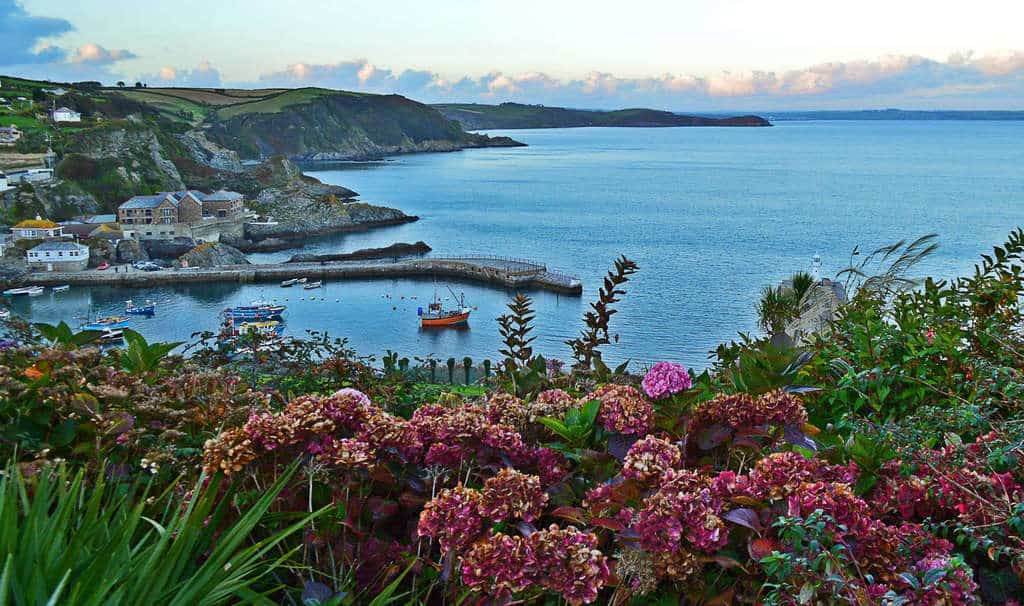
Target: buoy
{"x": 393, "y": 308}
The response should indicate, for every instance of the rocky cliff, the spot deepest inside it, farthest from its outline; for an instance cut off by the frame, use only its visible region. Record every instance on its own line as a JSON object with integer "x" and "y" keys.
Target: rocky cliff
{"x": 311, "y": 124}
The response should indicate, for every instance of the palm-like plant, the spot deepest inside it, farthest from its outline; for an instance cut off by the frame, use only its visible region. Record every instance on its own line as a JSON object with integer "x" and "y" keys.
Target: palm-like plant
{"x": 776, "y": 307}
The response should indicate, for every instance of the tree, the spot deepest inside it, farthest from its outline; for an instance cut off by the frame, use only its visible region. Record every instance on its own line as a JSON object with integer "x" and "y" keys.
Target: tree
{"x": 138, "y": 84}
{"x": 120, "y": 83}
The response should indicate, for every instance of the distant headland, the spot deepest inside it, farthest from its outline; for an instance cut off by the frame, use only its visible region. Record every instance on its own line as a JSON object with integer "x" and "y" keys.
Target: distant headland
{"x": 475, "y": 116}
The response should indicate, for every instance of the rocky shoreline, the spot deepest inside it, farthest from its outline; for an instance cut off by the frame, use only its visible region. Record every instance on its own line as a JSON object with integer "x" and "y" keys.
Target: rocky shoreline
{"x": 395, "y": 251}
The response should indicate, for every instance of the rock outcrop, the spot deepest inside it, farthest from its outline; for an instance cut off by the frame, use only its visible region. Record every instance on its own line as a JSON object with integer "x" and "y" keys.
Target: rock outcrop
{"x": 212, "y": 254}
{"x": 298, "y": 213}
{"x": 168, "y": 249}
{"x": 818, "y": 308}
{"x": 101, "y": 251}
{"x": 209, "y": 153}
{"x": 399, "y": 249}
{"x": 131, "y": 251}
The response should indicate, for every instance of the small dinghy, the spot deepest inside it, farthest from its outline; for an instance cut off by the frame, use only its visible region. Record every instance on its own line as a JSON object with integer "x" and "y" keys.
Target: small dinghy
{"x": 139, "y": 310}
{"x": 289, "y": 283}
{"x": 313, "y": 285}
{"x": 62, "y": 288}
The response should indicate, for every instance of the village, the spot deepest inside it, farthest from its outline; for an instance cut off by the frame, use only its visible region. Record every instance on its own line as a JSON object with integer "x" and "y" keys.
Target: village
{"x": 181, "y": 218}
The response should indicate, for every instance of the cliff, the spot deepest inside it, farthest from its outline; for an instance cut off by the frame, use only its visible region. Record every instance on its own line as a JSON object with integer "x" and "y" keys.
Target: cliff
{"x": 313, "y": 124}
{"x": 473, "y": 116}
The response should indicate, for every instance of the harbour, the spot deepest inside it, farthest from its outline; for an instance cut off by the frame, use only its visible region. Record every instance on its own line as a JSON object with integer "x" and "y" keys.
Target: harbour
{"x": 498, "y": 271}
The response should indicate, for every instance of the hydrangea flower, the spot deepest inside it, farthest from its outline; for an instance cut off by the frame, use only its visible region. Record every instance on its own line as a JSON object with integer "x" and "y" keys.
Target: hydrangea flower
{"x": 499, "y": 565}
{"x": 552, "y": 403}
{"x": 623, "y": 409}
{"x": 666, "y": 379}
{"x": 512, "y": 495}
{"x": 649, "y": 458}
{"x": 573, "y": 566}
{"x": 453, "y": 518}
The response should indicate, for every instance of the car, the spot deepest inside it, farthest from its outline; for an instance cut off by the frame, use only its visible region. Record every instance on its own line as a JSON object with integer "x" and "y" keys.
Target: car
{"x": 150, "y": 267}
{"x": 103, "y": 266}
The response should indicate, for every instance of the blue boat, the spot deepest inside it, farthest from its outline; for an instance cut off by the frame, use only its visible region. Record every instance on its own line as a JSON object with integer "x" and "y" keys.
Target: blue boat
{"x": 105, "y": 324}
{"x": 139, "y": 310}
{"x": 257, "y": 312}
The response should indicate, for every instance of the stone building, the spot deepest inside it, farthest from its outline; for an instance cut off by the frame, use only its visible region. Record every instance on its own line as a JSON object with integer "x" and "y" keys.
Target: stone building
{"x": 223, "y": 203}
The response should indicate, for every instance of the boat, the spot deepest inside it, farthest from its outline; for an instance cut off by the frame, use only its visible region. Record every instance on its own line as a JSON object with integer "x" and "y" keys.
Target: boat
{"x": 288, "y": 283}
{"x": 62, "y": 288}
{"x": 106, "y": 324}
{"x": 437, "y": 315}
{"x": 313, "y": 285}
{"x": 231, "y": 331}
{"x": 258, "y": 311}
{"x": 139, "y": 310}
{"x": 5, "y": 314}
{"x": 111, "y": 337}
{"x": 24, "y": 290}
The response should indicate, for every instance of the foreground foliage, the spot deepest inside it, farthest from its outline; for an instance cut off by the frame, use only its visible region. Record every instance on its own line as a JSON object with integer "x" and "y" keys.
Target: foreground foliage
{"x": 880, "y": 465}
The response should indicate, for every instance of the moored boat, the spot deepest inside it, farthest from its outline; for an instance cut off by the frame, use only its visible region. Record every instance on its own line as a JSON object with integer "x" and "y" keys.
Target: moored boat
{"x": 106, "y": 324}
{"x": 139, "y": 310}
{"x": 288, "y": 283}
{"x": 31, "y": 291}
{"x": 5, "y": 314}
{"x": 313, "y": 285}
{"x": 257, "y": 312}
{"x": 111, "y": 337}
{"x": 61, "y": 288}
{"x": 437, "y": 315}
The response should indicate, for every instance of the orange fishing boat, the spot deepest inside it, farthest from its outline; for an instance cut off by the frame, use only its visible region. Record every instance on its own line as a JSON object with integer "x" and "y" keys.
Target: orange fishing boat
{"x": 437, "y": 315}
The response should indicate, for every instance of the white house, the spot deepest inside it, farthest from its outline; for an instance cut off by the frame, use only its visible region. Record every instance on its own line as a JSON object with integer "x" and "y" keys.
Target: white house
{"x": 63, "y": 114}
{"x": 36, "y": 229}
{"x": 58, "y": 256}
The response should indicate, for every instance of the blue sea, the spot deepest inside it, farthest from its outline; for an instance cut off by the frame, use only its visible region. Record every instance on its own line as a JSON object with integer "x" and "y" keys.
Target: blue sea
{"x": 711, "y": 215}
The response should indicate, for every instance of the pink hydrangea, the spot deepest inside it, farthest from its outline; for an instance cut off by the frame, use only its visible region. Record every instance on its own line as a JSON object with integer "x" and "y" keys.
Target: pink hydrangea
{"x": 666, "y": 379}
{"x": 623, "y": 409}
{"x": 512, "y": 495}
{"x": 573, "y": 566}
{"x": 499, "y": 565}
{"x": 649, "y": 458}
{"x": 453, "y": 518}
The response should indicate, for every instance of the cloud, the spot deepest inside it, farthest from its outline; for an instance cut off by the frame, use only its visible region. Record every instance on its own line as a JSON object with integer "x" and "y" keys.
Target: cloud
{"x": 22, "y": 34}
{"x": 998, "y": 77}
{"x": 203, "y": 75}
{"x": 95, "y": 54}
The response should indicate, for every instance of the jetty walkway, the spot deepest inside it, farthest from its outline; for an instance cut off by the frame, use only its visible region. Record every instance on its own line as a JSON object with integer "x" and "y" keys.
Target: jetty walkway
{"x": 498, "y": 271}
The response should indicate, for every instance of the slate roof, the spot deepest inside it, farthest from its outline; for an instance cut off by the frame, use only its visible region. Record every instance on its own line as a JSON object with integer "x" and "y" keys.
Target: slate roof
{"x": 147, "y": 201}
{"x": 59, "y": 246}
{"x": 223, "y": 195}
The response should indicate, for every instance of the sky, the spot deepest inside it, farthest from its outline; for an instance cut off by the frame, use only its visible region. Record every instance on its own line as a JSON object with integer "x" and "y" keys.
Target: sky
{"x": 680, "y": 55}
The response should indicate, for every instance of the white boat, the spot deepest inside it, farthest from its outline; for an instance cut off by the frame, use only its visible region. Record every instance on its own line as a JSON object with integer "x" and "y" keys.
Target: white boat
{"x": 313, "y": 285}
{"x": 62, "y": 288}
{"x": 288, "y": 283}
{"x": 5, "y": 314}
{"x": 24, "y": 290}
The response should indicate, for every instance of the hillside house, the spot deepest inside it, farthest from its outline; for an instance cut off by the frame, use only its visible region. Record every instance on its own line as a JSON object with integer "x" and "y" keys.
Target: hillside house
{"x": 223, "y": 203}
{"x": 9, "y": 135}
{"x": 35, "y": 229}
{"x": 64, "y": 114}
{"x": 58, "y": 256}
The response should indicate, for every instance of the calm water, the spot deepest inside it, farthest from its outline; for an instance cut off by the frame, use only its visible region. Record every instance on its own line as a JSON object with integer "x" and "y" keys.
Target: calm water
{"x": 711, "y": 215}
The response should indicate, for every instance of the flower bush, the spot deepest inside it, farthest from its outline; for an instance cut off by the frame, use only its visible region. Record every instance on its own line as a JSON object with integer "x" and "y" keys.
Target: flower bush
{"x": 777, "y": 477}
